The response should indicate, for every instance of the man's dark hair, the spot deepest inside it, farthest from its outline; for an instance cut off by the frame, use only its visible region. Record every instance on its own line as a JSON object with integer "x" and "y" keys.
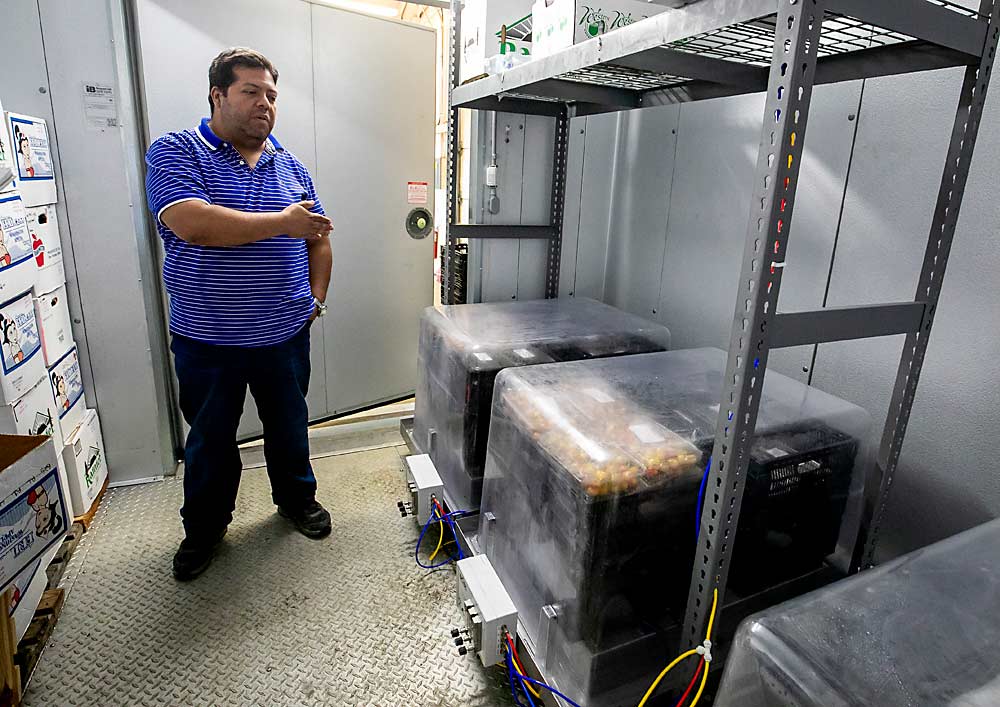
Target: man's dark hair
{"x": 222, "y": 71}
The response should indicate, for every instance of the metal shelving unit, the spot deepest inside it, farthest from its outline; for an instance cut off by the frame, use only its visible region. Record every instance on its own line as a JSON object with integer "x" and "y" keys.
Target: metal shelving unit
{"x": 716, "y": 48}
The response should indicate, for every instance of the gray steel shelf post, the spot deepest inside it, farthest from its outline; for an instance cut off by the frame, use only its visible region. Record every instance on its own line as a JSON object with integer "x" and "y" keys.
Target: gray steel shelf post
{"x": 447, "y": 261}
{"x": 560, "y": 152}
{"x": 789, "y": 91}
{"x": 949, "y": 203}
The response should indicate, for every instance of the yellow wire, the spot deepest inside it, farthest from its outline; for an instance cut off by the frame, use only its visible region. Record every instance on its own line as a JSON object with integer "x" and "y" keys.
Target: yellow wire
{"x": 520, "y": 668}
{"x": 652, "y": 688}
{"x": 701, "y": 688}
{"x": 711, "y": 618}
{"x": 440, "y": 540}
{"x": 693, "y": 651}
{"x": 708, "y": 637}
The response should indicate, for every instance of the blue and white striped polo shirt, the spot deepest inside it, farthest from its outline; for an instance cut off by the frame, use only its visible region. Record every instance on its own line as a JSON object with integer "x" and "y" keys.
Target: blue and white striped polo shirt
{"x": 250, "y": 295}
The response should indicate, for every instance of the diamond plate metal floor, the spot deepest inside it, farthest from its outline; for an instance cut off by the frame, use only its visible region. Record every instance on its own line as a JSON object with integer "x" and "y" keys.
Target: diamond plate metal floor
{"x": 277, "y": 620}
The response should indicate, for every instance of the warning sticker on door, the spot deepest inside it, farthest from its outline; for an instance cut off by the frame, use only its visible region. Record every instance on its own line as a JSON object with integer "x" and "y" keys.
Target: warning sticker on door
{"x": 416, "y": 192}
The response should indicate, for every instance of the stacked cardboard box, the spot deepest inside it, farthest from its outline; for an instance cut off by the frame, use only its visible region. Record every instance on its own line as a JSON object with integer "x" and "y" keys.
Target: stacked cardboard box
{"x": 41, "y": 387}
{"x": 34, "y": 519}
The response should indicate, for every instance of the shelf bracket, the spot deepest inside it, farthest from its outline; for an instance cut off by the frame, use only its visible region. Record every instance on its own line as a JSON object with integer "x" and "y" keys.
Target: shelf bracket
{"x": 846, "y": 324}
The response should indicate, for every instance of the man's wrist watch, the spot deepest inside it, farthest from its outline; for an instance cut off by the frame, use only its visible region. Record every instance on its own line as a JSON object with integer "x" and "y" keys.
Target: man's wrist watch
{"x": 320, "y": 308}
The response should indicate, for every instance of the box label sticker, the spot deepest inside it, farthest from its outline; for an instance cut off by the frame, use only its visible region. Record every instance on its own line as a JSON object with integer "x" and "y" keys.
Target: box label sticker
{"x": 19, "y": 336}
{"x": 483, "y": 357}
{"x": 647, "y": 433}
{"x": 417, "y": 192}
{"x": 15, "y": 240}
{"x": 524, "y": 353}
{"x": 777, "y": 453}
{"x": 91, "y": 466}
{"x": 44, "y": 235}
{"x": 31, "y": 149}
{"x": 599, "y": 395}
{"x": 67, "y": 384}
{"x": 30, "y": 524}
{"x": 100, "y": 110}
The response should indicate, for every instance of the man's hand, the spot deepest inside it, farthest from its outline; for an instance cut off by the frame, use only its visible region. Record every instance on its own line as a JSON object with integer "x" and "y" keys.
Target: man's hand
{"x": 300, "y": 222}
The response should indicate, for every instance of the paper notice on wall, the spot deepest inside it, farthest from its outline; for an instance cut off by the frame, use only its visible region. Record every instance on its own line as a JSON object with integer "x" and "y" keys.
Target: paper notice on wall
{"x": 100, "y": 109}
{"x": 416, "y": 192}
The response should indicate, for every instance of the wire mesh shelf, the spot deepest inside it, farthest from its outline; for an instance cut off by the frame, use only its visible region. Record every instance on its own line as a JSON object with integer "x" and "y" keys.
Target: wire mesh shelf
{"x": 751, "y": 43}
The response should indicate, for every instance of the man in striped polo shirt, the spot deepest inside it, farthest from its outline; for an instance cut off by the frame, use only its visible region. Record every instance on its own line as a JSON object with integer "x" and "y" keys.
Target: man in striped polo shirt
{"x": 247, "y": 267}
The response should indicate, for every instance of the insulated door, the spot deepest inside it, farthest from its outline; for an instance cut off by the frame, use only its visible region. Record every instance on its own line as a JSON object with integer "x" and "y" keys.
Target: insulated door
{"x": 356, "y": 106}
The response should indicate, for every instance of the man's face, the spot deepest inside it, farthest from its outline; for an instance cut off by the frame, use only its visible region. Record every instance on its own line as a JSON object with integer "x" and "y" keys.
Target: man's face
{"x": 248, "y": 108}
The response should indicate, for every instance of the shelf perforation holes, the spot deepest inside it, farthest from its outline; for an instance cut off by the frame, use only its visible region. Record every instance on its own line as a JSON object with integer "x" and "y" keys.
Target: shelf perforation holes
{"x": 791, "y": 153}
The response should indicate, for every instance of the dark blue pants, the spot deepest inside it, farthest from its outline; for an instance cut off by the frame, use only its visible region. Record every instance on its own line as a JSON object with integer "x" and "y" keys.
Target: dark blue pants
{"x": 213, "y": 385}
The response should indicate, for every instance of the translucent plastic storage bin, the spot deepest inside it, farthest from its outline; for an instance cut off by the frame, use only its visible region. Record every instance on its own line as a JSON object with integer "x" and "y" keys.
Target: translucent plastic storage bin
{"x": 463, "y": 348}
{"x": 920, "y": 631}
{"x": 589, "y": 504}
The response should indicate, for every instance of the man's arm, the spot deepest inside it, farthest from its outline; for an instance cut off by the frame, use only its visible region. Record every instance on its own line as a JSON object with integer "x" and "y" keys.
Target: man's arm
{"x": 320, "y": 266}
{"x": 199, "y": 223}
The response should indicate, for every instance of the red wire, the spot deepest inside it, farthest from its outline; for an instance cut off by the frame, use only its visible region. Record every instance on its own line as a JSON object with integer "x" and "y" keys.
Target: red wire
{"x": 440, "y": 509}
{"x": 517, "y": 658}
{"x": 687, "y": 692}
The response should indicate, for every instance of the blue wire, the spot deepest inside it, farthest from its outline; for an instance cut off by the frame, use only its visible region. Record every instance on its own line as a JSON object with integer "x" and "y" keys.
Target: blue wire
{"x": 451, "y": 524}
{"x": 536, "y": 683}
{"x": 416, "y": 552}
{"x": 527, "y": 692}
{"x": 701, "y": 499}
{"x": 510, "y": 679}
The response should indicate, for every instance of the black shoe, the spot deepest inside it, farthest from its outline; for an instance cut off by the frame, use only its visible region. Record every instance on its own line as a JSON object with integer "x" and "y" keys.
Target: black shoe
{"x": 194, "y": 556}
{"x": 311, "y": 519}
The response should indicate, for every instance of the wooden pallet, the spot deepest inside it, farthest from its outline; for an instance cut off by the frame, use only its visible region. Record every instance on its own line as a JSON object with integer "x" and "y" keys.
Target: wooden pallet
{"x": 10, "y": 676}
{"x": 58, "y": 564}
{"x": 87, "y": 518}
{"x": 18, "y": 659}
{"x": 39, "y": 630}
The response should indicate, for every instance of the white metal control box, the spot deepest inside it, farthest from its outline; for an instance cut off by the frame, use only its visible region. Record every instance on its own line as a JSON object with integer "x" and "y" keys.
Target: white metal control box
{"x": 487, "y": 608}
{"x": 424, "y": 483}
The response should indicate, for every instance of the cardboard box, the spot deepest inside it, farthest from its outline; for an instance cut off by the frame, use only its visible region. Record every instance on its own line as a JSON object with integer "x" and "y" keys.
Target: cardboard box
{"x": 482, "y": 24}
{"x": 29, "y": 586}
{"x": 31, "y": 414}
{"x": 46, "y": 246}
{"x": 54, "y": 323}
{"x": 21, "y": 362}
{"x": 17, "y": 269}
{"x": 34, "y": 172}
{"x": 86, "y": 464}
{"x": 34, "y": 515}
{"x": 66, "y": 385}
{"x": 7, "y": 168}
{"x": 558, "y": 24}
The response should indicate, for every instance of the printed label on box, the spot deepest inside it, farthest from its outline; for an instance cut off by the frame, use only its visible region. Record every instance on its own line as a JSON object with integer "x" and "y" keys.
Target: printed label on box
{"x": 92, "y": 466}
{"x": 31, "y": 148}
{"x": 524, "y": 353}
{"x": 33, "y": 412}
{"x": 44, "y": 233}
{"x": 67, "y": 384}
{"x": 31, "y": 523}
{"x": 18, "y": 333}
{"x": 483, "y": 357}
{"x": 647, "y": 433}
{"x": 15, "y": 241}
{"x": 20, "y": 586}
